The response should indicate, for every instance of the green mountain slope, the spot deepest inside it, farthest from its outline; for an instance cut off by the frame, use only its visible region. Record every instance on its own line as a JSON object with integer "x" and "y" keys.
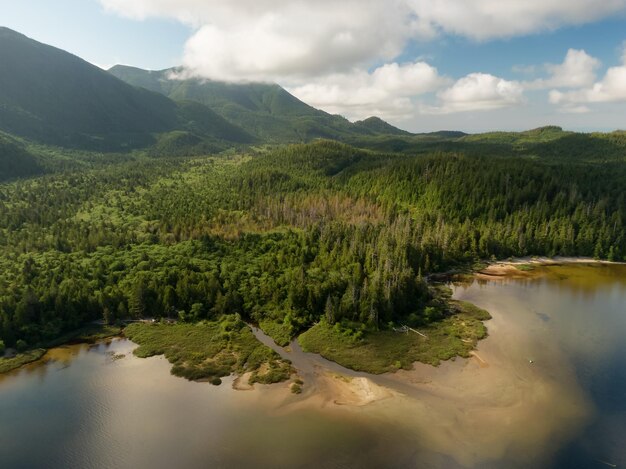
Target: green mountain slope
{"x": 15, "y": 160}
{"x": 54, "y": 97}
{"x": 376, "y": 125}
{"x": 265, "y": 110}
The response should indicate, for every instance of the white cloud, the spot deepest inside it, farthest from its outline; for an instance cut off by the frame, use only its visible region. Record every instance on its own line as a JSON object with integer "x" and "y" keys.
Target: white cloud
{"x": 478, "y": 92}
{"x": 577, "y": 70}
{"x": 274, "y": 40}
{"x": 389, "y": 91}
{"x": 270, "y": 40}
{"x": 612, "y": 88}
{"x": 486, "y": 19}
{"x": 321, "y": 50}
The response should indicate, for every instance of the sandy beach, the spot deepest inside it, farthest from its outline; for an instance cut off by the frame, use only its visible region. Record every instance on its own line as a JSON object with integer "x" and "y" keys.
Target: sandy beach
{"x": 524, "y": 267}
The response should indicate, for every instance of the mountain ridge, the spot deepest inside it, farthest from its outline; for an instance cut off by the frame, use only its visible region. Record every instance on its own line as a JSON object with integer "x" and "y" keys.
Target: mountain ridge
{"x": 267, "y": 110}
{"x": 51, "y": 96}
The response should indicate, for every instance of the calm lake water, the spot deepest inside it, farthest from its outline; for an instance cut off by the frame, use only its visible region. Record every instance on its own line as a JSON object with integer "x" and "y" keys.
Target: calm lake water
{"x": 85, "y": 408}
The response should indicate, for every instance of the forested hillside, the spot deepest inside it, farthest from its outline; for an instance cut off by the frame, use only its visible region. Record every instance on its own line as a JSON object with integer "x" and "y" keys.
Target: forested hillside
{"x": 104, "y": 216}
{"x": 50, "y": 96}
{"x": 15, "y": 160}
{"x": 267, "y": 111}
{"x": 289, "y": 236}
{"x": 549, "y": 142}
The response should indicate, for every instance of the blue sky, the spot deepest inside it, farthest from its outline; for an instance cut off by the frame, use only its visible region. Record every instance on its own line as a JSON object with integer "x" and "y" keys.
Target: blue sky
{"x": 457, "y": 55}
{"x": 84, "y": 28}
{"x": 421, "y": 64}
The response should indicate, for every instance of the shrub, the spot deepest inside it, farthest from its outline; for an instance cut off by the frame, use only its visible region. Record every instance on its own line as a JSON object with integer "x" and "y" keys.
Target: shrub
{"x": 21, "y": 345}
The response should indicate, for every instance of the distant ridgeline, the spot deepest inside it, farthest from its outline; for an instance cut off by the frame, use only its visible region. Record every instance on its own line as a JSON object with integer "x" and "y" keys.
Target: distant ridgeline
{"x": 266, "y": 111}
{"x": 100, "y": 217}
{"x": 52, "y": 97}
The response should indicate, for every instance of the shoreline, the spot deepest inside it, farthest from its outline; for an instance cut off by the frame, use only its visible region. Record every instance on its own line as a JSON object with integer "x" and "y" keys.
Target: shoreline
{"x": 452, "y": 409}
{"x": 495, "y": 406}
{"x": 501, "y": 269}
{"x": 89, "y": 334}
{"x": 545, "y": 260}
{"x": 525, "y": 267}
{"x": 516, "y": 375}
{"x": 422, "y": 374}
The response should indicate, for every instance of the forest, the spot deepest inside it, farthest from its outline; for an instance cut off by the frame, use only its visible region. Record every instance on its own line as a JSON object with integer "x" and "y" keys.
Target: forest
{"x": 290, "y": 236}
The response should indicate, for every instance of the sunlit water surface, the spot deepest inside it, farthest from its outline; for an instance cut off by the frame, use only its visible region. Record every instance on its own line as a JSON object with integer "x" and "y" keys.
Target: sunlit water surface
{"x": 85, "y": 409}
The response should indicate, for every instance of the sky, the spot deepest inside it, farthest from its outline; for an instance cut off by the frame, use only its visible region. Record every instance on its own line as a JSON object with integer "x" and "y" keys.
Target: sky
{"x": 423, "y": 65}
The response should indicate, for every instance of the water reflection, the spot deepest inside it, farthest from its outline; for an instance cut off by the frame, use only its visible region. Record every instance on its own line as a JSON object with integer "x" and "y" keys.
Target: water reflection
{"x": 83, "y": 409}
{"x": 583, "y": 310}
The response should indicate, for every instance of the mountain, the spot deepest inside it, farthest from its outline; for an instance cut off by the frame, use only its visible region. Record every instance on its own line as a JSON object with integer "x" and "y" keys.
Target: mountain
{"x": 51, "y": 96}
{"x": 266, "y": 110}
{"x": 376, "y": 125}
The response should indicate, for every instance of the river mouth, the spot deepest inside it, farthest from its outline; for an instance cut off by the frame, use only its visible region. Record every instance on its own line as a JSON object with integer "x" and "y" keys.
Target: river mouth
{"x": 545, "y": 389}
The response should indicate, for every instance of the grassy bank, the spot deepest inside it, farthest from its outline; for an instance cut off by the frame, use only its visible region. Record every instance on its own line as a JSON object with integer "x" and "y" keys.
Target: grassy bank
{"x": 383, "y": 351}
{"x": 209, "y": 350}
{"x": 86, "y": 334}
{"x": 281, "y": 334}
{"x": 21, "y": 359}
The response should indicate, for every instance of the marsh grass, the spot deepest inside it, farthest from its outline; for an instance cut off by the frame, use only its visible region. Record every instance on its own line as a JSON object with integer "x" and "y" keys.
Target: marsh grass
{"x": 384, "y": 351}
{"x": 21, "y": 359}
{"x": 281, "y": 333}
{"x": 87, "y": 334}
{"x": 210, "y": 350}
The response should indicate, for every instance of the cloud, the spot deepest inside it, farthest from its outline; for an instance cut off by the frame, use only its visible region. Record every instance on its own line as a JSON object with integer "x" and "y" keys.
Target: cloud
{"x": 329, "y": 52}
{"x": 488, "y": 19}
{"x": 478, "y": 92}
{"x": 389, "y": 91}
{"x": 273, "y": 40}
{"x": 612, "y": 88}
{"x": 577, "y": 70}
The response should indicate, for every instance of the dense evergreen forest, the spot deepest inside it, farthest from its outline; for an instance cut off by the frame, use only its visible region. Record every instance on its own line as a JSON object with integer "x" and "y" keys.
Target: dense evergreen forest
{"x": 134, "y": 194}
{"x": 290, "y": 235}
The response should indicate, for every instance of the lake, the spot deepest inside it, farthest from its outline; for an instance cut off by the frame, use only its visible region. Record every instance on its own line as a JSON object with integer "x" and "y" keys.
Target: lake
{"x": 547, "y": 388}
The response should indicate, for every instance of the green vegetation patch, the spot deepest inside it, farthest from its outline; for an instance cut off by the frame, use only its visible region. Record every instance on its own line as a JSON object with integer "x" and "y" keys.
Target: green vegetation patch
{"x": 384, "y": 351}
{"x": 209, "y": 350}
{"x": 525, "y": 267}
{"x": 280, "y": 332}
{"x": 21, "y": 359}
{"x": 296, "y": 388}
{"x": 87, "y": 334}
